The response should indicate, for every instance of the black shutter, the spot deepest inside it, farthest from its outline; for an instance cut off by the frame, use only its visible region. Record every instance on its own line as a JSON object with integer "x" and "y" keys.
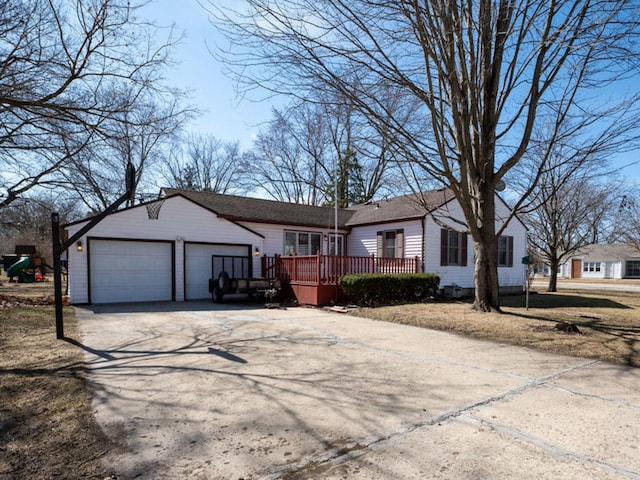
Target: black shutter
{"x": 509, "y": 251}
{"x": 444, "y": 246}
{"x": 463, "y": 249}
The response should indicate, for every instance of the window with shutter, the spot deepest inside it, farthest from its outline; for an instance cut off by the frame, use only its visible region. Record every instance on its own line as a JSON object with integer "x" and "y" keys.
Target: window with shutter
{"x": 390, "y": 244}
{"x": 453, "y": 248}
{"x": 505, "y": 251}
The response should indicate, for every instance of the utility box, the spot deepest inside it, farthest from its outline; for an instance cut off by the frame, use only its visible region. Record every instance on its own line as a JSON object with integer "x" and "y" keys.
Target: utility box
{"x": 452, "y": 291}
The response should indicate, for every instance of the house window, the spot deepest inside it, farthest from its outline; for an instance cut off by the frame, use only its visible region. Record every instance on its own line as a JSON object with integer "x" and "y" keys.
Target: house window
{"x": 632, "y": 268}
{"x": 590, "y": 267}
{"x": 333, "y": 240}
{"x": 453, "y": 248}
{"x": 390, "y": 244}
{"x": 505, "y": 251}
{"x": 302, "y": 243}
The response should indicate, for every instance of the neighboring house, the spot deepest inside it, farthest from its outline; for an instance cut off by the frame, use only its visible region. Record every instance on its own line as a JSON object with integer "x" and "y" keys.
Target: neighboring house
{"x": 145, "y": 254}
{"x": 615, "y": 261}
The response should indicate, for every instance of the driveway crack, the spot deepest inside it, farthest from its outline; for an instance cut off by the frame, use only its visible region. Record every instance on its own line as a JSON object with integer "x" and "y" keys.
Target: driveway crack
{"x": 331, "y": 458}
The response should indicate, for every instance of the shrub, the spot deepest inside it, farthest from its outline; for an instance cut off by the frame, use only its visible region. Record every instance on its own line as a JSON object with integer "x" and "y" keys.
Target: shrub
{"x": 379, "y": 288}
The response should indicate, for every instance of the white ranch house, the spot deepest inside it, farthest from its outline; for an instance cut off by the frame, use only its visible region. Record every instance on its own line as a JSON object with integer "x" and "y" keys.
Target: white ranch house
{"x": 132, "y": 257}
{"x": 605, "y": 261}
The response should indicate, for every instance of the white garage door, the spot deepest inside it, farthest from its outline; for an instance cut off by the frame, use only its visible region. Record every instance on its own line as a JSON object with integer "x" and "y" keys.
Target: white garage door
{"x": 130, "y": 271}
{"x": 198, "y": 266}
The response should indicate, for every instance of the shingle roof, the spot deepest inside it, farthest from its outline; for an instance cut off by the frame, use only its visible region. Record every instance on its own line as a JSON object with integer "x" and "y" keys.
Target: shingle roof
{"x": 247, "y": 209}
{"x": 604, "y": 252}
{"x": 406, "y": 207}
{"x": 237, "y": 208}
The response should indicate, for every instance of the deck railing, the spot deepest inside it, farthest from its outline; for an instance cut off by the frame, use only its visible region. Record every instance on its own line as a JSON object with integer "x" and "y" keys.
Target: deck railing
{"x": 327, "y": 269}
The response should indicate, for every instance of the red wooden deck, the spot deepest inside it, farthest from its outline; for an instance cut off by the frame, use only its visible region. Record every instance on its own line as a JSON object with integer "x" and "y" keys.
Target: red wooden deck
{"x": 313, "y": 279}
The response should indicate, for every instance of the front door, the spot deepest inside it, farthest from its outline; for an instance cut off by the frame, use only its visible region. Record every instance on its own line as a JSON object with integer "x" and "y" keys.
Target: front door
{"x": 576, "y": 268}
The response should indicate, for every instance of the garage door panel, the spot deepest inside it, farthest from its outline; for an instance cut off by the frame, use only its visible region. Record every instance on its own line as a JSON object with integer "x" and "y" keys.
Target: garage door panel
{"x": 130, "y": 271}
{"x": 198, "y": 266}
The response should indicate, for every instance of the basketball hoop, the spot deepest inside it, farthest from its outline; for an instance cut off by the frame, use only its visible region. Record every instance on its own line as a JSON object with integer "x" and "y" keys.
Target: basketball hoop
{"x": 153, "y": 209}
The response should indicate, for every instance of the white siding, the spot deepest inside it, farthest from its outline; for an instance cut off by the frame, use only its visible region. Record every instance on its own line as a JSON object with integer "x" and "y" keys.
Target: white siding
{"x": 273, "y": 242}
{"x": 198, "y": 266}
{"x": 362, "y": 241}
{"x": 179, "y": 220}
{"x": 464, "y": 276}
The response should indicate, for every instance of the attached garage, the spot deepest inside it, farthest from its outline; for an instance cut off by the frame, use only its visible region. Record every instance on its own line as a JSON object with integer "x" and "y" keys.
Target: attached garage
{"x": 198, "y": 265}
{"x": 130, "y": 270}
{"x": 133, "y": 256}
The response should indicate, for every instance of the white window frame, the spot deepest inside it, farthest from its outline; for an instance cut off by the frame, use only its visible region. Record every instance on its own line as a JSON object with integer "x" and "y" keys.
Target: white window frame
{"x": 591, "y": 267}
{"x": 300, "y": 248}
{"x": 332, "y": 242}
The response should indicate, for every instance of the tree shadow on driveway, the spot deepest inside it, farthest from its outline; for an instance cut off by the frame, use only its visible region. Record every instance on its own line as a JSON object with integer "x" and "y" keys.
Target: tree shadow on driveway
{"x": 254, "y": 395}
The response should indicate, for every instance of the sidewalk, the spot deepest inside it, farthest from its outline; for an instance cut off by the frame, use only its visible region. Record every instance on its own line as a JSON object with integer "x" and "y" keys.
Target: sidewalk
{"x": 589, "y": 284}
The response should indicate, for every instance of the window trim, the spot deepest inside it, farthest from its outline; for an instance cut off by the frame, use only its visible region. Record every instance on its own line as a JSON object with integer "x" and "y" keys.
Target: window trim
{"x": 591, "y": 267}
{"x": 342, "y": 244}
{"x": 632, "y": 271}
{"x": 508, "y": 252}
{"x": 381, "y": 248}
{"x": 297, "y": 233}
{"x": 463, "y": 254}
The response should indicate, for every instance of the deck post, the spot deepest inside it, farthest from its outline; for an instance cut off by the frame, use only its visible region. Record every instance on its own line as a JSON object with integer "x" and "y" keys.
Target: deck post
{"x": 318, "y": 262}
{"x": 373, "y": 263}
{"x": 295, "y": 267}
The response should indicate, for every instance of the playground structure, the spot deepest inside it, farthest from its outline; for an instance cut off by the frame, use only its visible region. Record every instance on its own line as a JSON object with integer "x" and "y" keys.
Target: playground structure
{"x": 24, "y": 266}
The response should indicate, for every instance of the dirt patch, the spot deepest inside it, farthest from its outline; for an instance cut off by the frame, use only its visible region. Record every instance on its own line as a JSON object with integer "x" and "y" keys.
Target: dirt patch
{"x": 47, "y": 428}
{"x": 13, "y": 301}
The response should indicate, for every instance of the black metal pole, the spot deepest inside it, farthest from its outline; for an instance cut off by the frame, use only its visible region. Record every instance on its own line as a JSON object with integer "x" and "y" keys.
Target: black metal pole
{"x": 59, "y": 247}
{"x": 57, "y": 274}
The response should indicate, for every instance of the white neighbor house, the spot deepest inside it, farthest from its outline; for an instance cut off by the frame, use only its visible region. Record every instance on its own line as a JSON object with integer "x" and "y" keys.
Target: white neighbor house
{"x": 131, "y": 256}
{"x": 615, "y": 261}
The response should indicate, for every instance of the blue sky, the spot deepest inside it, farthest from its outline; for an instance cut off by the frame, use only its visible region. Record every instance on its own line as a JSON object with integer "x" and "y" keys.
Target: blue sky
{"x": 225, "y": 116}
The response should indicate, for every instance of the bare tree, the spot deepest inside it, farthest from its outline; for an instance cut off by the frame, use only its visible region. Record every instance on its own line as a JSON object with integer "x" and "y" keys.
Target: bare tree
{"x": 281, "y": 165}
{"x": 628, "y": 220}
{"x": 28, "y": 222}
{"x": 487, "y": 75}
{"x": 141, "y": 136}
{"x": 68, "y": 70}
{"x": 309, "y": 147}
{"x": 568, "y": 217}
{"x": 209, "y": 165}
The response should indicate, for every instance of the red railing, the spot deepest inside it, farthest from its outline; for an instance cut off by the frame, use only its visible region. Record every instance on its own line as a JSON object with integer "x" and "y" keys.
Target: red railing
{"x": 327, "y": 269}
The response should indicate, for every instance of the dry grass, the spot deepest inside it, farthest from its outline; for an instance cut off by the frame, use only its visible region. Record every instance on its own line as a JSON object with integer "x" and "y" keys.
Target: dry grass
{"x": 47, "y": 428}
{"x": 609, "y": 324}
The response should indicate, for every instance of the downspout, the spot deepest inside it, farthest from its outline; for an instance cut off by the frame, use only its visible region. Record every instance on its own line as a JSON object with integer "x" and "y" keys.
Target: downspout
{"x": 424, "y": 241}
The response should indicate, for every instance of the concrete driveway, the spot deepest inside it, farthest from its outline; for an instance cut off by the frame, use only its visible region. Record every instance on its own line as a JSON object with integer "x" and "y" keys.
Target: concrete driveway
{"x": 201, "y": 391}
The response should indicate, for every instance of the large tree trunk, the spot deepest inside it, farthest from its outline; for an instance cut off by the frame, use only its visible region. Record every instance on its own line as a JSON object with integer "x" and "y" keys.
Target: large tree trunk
{"x": 485, "y": 248}
{"x": 553, "y": 276}
{"x": 486, "y": 275}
